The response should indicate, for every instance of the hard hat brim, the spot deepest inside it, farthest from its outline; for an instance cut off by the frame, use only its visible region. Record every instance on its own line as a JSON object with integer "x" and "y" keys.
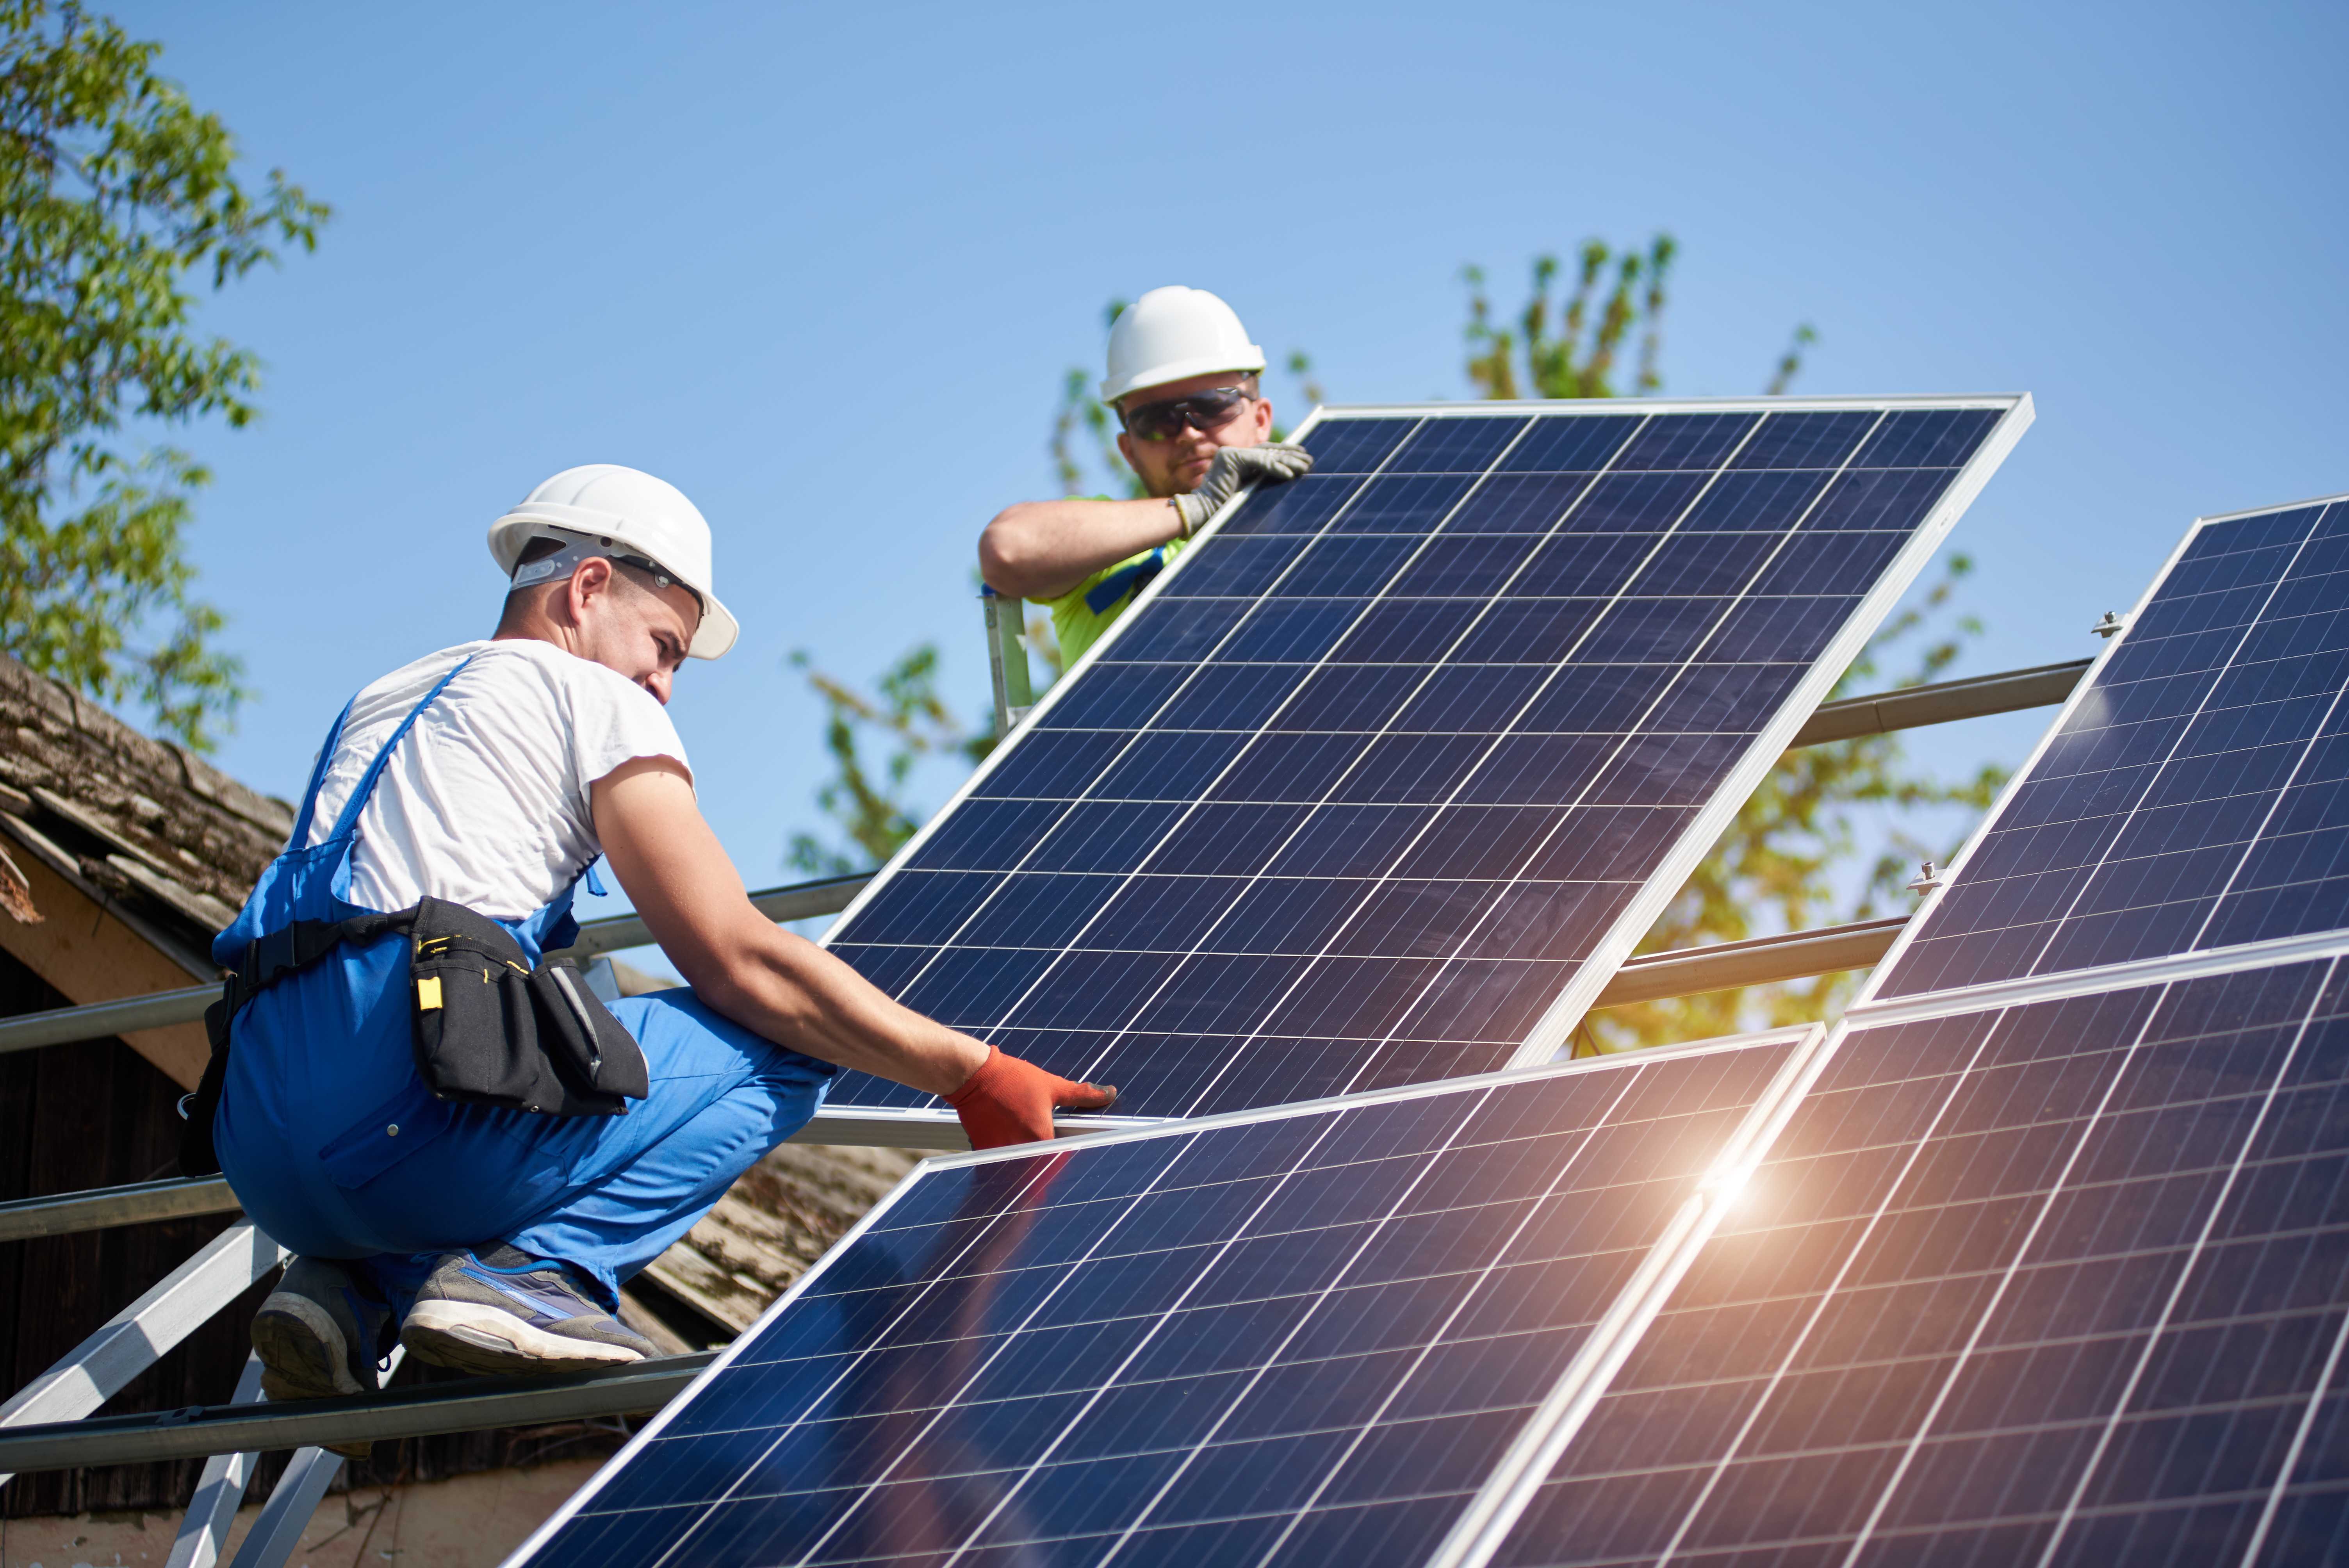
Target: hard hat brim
{"x": 1252, "y": 363}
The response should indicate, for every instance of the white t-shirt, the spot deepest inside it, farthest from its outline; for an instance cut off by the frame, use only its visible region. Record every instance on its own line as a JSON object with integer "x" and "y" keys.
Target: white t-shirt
{"x": 485, "y": 801}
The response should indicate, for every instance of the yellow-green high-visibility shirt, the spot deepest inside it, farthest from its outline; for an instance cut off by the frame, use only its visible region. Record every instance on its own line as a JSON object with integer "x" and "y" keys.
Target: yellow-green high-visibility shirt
{"x": 1083, "y": 614}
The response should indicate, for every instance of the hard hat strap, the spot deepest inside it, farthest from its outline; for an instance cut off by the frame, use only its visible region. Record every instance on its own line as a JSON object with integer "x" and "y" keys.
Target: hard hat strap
{"x": 559, "y": 566}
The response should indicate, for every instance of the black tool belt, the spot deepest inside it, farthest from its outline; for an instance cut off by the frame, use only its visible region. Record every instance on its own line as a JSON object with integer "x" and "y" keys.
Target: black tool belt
{"x": 486, "y": 1027}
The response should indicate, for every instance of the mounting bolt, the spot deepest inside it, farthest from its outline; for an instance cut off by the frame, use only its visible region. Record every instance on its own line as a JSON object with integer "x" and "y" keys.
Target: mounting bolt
{"x": 1924, "y": 882}
{"x": 2109, "y": 626}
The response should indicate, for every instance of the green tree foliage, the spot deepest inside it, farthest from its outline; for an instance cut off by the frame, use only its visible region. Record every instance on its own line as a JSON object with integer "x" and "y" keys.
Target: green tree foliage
{"x": 871, "y": 812}
{"x": 115, "y": 192}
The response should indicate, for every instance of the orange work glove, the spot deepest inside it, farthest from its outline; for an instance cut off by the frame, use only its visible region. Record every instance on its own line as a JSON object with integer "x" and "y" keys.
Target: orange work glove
{"x": 1007, "y": 1100}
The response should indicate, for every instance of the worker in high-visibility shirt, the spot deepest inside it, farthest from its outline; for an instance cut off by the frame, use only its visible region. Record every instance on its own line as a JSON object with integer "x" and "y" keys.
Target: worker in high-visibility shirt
{"x": 1197, "y": 429}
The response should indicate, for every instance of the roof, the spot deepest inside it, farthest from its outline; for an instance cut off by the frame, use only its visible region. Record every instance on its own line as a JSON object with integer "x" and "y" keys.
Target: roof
{"x": 148, "y": 829}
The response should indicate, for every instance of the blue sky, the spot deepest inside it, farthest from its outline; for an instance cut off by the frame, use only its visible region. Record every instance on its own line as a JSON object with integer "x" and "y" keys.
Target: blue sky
{"x": 824, "y": 267}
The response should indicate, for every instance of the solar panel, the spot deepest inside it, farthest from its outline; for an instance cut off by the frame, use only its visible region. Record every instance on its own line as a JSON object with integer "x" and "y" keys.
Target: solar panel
{"x": 1309, "y": 1335}
{"x": 2193, "y": 795}
{"x": 1380, "y": 781}
{"x": 2062, "y": 1281}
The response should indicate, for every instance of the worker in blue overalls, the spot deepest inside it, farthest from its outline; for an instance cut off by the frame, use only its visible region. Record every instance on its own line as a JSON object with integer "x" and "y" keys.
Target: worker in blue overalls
{"x": 482, "y": 1191}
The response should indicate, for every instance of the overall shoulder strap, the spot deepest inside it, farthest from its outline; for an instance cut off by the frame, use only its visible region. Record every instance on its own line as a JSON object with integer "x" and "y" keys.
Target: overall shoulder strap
{"x": 318, "y": 776}
{"x": 349, "y": 820}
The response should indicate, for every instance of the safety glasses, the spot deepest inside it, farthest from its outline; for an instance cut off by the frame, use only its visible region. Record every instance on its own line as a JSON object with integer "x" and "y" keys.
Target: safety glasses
{"x": 1202, "y": 411}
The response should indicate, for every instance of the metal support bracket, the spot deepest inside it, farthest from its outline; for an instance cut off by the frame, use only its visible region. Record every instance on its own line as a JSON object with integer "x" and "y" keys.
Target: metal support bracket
{"x": 131, "y": 1341}
{"x": 1007, "y": 658}
{"x": 476, "y": 1404}
{"x": 218, "y": 1491}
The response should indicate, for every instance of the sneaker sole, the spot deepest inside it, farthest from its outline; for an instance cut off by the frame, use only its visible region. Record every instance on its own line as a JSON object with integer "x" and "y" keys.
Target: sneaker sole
{"x": 303, "y": 1357}
{"x": 466, "y": 1336}
{"x": 303, "y": 1354}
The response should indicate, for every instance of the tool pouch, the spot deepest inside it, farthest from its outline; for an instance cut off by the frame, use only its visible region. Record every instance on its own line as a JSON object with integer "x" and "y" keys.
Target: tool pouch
{"x": 492, "y": 1030}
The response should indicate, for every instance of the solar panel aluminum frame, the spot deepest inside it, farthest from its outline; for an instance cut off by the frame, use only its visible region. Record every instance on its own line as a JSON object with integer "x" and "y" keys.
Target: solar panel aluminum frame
{"x": 1487, "y": 1519}
{"x": 1865, "y": 1006}
{"x": 2168, "y": 969}
{"x": 1552, "y": 1033}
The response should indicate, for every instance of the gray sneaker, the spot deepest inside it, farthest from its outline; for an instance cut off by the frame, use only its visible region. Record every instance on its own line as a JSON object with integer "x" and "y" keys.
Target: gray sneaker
{"x": 319, "y": 1334}
{"x": 500, "y": 1311}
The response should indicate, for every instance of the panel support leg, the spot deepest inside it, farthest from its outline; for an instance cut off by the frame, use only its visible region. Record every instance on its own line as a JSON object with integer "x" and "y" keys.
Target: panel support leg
{"x": 218, "y": 1493}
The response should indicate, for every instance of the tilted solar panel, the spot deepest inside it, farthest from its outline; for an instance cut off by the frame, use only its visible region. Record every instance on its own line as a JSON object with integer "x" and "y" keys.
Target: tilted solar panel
{"x": 2064, "y": 1282}
{"x": 1380, "y": 781}
{"x": 1310, "y": 1335}
{"x": 2195, "y": 792}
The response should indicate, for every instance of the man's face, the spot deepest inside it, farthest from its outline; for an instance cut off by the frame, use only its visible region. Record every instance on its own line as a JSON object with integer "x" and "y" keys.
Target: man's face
{"x": 1176, "y": 465}
{"x": 629, "y": 625}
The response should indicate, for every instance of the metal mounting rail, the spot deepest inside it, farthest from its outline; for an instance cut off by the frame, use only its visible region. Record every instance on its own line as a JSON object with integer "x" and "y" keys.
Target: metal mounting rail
{"x": 473, "y": 1404}
{"x": 102, "y": 1208}
{"x": 97, "y": 1020}
{"x": 1944, "y": 702}
{"x": 1757, "y": 961}
{"x": 1650, "y": 977}
{"x": 1911, "y": 707}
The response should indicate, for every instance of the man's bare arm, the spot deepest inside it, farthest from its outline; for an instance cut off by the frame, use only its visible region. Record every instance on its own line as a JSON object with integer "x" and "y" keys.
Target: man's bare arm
{"x": 1041, "y": 549}
{"x": 780, "y": 985}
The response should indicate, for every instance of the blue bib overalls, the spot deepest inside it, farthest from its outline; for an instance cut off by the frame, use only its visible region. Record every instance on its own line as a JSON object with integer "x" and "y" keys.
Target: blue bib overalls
{"x": 337, "y": 1148}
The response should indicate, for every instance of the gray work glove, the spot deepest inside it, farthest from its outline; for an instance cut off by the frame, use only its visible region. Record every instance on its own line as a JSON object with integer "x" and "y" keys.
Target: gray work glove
{"x": 1235, "y": 468}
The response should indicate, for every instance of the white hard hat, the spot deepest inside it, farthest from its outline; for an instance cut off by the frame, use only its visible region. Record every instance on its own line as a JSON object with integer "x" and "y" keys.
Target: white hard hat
{"x": 1174, "y": 332}
{"x": 625, "y": 508}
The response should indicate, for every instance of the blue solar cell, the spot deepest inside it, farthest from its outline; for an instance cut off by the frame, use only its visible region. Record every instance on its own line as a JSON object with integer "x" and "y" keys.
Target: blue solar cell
{"x": 1168, "y": 767}
{"x": 1095, "y": 836}
{"x": 1408, "y": 505}
{"x": 1880, "y": 499}
{"x": 1618, "y": 502}
{"x": 1568, "y": 446}
{"x": 1584, "y": 564}
{"x": 987, "y": 835}
{"x": 1304, "y": 506}
{"x": 1558, "y": 629}
{"x": 1355, "y": 446}
{"x": 1455, "y": 446}
{"x": 1476, "y": 566}
{"x": 1822, "y": 441}
{"x": 2065, "y": 1283}
{"x": 1926, "y": 439}
{"x": 1522, "y": 503}
{"x": 1757, "y": 502}
{"x": 1341, "y": 568}
{"x": 1686, "y": 441}
{"x": 1471, "y": 700}
{"x": 1292, "y": 629}
{"x": 1315, "y": 1333}
{"x": 1351, "y": 697}
{"x": 2185, "y": 800}
{"x": 1231, "y": 697}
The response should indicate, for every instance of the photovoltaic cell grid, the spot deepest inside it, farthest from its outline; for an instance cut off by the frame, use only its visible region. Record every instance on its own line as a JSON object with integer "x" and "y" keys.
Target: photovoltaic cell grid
{"x": 2196, "y": 795}
{"x": 2065, "y": 1283}
{"x": 1297, "y": 1340}
{"x": 1391, "y": 755}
